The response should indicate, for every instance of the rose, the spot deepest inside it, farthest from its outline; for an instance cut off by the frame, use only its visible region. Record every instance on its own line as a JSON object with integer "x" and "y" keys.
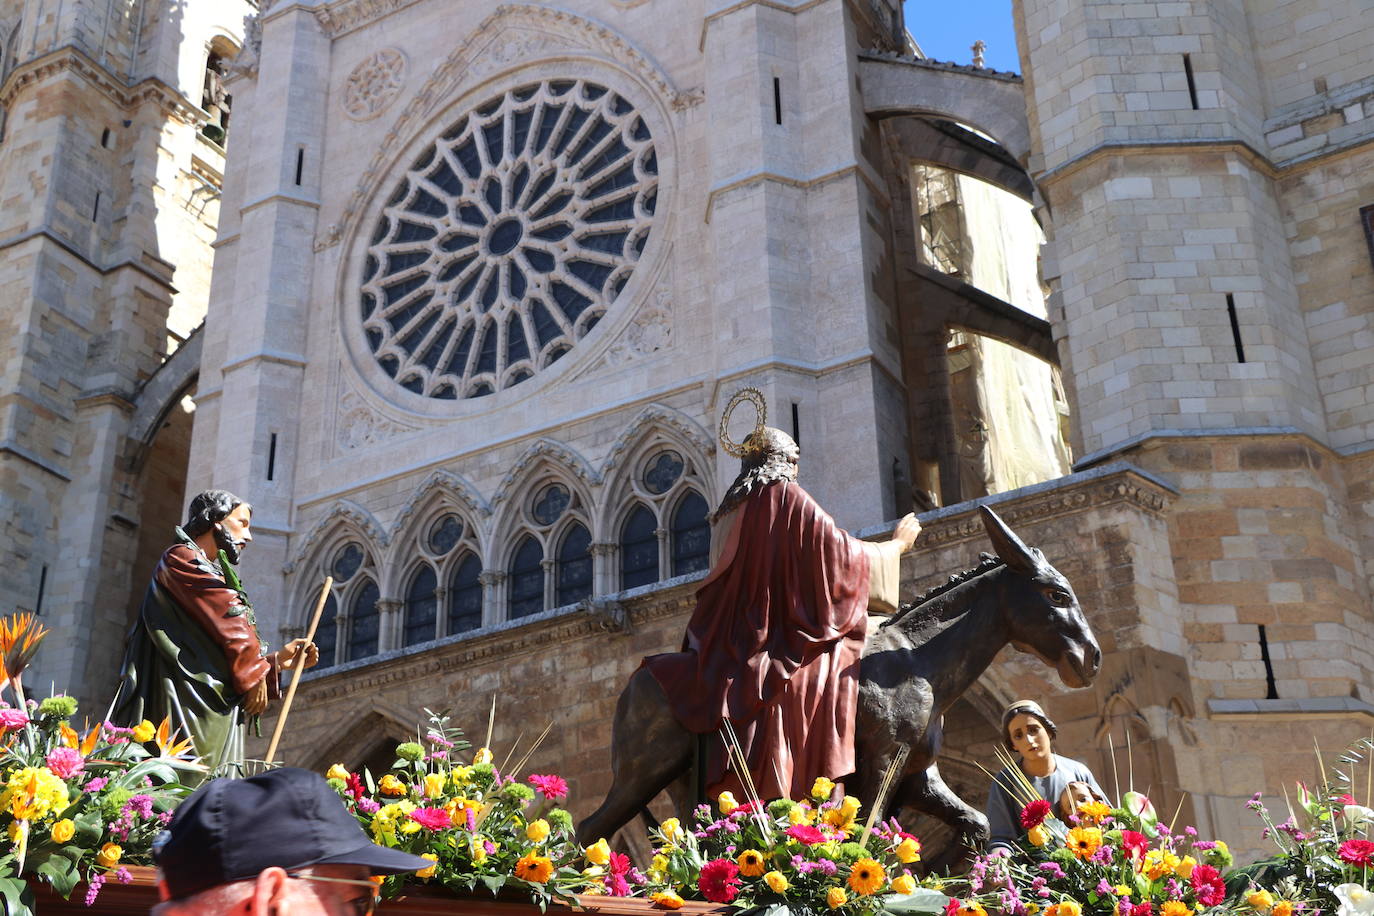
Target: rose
{"x": 1357, "y": 852}
{"x": 537, "y": 831}
{"x": 777, "y": 882}
{"x": 144, "y": 731}
{"x": 63, "y": 830}
{"x": 108, "y": 856}
{"x": 599, "y": 853}
{"x": 337, "y": 771}
{"x": 428, "y": 872}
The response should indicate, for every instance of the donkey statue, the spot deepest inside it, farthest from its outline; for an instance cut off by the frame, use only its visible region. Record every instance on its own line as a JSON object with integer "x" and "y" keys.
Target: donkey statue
{"x": 914, "y": 666}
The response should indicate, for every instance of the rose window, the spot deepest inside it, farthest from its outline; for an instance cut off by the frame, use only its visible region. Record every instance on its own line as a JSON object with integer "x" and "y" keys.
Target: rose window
{"x": 508, "y": 239}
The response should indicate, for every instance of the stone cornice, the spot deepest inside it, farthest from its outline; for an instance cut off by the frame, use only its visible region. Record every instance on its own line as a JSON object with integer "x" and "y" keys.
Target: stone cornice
{"x": 71, "y": 58}
{"x": 553, "y": 628}
{"x": 344, "y": 16}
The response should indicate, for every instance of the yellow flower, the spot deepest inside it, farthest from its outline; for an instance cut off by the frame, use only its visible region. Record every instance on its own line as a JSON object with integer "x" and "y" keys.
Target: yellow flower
{"x": 908, "y": 851}
{"x": 1260, "y": 899}
{"x": 337, "y": 771}
{"x": 667, "y": 899}
{"x": 410, "y": 828}
{"x": 534, "y": 869}
{"x": 599, "y": 853}
{"x": 483, "y": 755}
{"x": 460, "y": 775}
{"x": 428, "y": 872}
{"x": 1174, "y": 908}
{"x": 659, "y": 863}
{"x": 904, "y": 884}
{"x": 672, "y": 829}
{"x": 1032, "y": 909}
{"x": 537, "y": 831}
{"x": 867, "y": 877}
{"x": 1094, "y": 811}
{"x": 1184, "y": 867}
{"x": 1159, "y": 863}
{"x": 108, "y": 857}
{"x": 434, "y": 785}
{"x": 1282, "y": 908}
{"x": 144, "y": 731}
{"x": 751, "y": 863}
{"x": 390, "y": 785}
{"x": 850, "y": 806}
{"x": 32, "y": 793}
{"x": 972, "y": 908}
{"x": 836, "y": 817}
{"x": 836, "y": 898}
{"x": 1083, "y": 841}
{"x": 63, "y": 830}
{"x": 1121, "y": 890}
{"x": 821, "y": 788}
{"x": 478, "y": 850}
{"x": 1038, "y": 835}
{"x": 777, "y": 882}
{"x": 727, "y": 803}
{"x": 800, "y": 814}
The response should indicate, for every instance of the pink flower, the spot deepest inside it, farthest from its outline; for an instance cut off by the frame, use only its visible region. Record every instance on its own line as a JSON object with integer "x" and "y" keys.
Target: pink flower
{"x": 1207, "y": 885}
{"x": 719, "y": 881}
{"x": 12, "y": 719}
{"x": 1135, "y": 845}
{"x": 66, "y": 762}
{"x": 431, "y": 818}
{"x": 95, "y": 785}
{"x": 1357, "y": 852}
{"x": 805, "y": 834}
{"x": 550, "y": 786}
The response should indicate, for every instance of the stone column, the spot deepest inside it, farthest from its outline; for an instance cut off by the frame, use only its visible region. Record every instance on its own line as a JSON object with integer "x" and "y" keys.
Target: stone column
{"x": 493, "y": 595}
{"x": 604, "y": 580}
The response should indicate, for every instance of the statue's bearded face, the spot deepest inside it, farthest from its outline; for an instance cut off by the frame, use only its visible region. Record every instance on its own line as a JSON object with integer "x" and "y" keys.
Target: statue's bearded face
{"x": 232, "y": 532}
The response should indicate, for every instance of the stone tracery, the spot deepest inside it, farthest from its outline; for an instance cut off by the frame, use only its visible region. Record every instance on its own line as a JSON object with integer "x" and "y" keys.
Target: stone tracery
{"x": 508, "y": 239}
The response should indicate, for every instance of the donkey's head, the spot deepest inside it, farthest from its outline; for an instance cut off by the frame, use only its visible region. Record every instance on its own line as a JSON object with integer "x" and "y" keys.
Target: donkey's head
{"x": 1043, "y": 616}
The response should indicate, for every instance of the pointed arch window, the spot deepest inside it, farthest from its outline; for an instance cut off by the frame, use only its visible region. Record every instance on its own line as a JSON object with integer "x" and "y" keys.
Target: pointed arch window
{"x": 422, "y": 606}
{"x": 639, "y": 549}
{"x": 527, "y": 579}
{"x": 691, "y": 535}
{"x": 465, "y": 595}
{"x": 574, "y": 566}
{"x": 364, "y": 621}
{"x": 327, "y": 633}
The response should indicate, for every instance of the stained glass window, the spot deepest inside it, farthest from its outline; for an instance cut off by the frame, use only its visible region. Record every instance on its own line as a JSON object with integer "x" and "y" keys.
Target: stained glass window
{"x": 508, "y": 238}
{"x": 348, "y": 562}
{"x": 638, "y": 549}
{"x": 691, "y": 535}
{"x": 574, "y": 566}
{"x": 445, "y": 534}
{"x": 421, "y": 607}
{"x": 550, "y": 504}
{"x": 527, "y": 579}
{"x": 326, "y": 634}
{"x": 663, "y": 472}
{"x": 364, "y": 624}
{"x": 465, "y": 595}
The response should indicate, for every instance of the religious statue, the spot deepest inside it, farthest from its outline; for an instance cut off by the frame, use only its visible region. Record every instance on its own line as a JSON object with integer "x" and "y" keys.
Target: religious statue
{"x": 1061, "y": 781}
{"x": 194, "y": 653}
{"x": 773, "y": 645}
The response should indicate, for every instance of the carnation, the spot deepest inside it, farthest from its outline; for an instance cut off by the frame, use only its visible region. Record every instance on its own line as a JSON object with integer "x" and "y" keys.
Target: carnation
{"x": 1357, "y": 852}
{"x": 805, "y": 834}
{"x": 719, "y": 881}
{"x": 410, "y": 751}
{"x": 12, "y": 719}
{"x": 1207, "y": 885}
{"x": 560, "y": 819}
{"x": 517, "y": 792}
{"x": 59, "y": 706}
{"x": 1034, "y": 814}
{"x": 65, "y": 762}
{"x": 431, "y": 818}
{"x": 550, "y": 786}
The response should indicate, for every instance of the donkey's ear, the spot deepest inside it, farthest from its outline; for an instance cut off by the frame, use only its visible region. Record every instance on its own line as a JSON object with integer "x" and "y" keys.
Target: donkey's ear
{"x": 1009, "y": 547}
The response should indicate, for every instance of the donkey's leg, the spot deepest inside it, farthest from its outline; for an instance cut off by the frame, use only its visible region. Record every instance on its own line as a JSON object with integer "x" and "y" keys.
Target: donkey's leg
{"x": 649, "y": 749}
{"x": 926, "y": 792}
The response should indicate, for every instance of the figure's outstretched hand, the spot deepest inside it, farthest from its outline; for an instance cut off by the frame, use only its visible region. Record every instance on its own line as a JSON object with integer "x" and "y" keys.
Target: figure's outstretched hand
{"x": 255, "y": 700}
{"x": 907, "y": 530}
{"x": 293, "y": 652}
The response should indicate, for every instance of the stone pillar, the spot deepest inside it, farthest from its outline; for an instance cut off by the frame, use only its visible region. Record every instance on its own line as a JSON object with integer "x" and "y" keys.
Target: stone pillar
{"x": 493, "y": 595}
{"x": 604, "y": 579}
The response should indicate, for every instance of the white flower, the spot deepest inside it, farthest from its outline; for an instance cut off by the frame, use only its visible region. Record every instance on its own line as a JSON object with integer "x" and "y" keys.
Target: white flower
{"x": 1355, "y": 900}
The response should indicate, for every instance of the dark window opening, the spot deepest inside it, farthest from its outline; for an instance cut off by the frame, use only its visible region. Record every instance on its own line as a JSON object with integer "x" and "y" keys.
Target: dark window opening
{"x": 574, "y": 566}
{"x": 215, "y": 100}
{"x": 465, "y": 596}
{"x": 364, "y": 626}
{"x": 272, "y": 457}
{"x": 42, "y": 587}
{"x": 1192, "y": 84}
{"x": 639, "y": 549}
{"x": 777, "y": 100}
{"x": 95, "y": 211}
{"x": 421, "y": 607}
{"x": 300, "y": 165}
{"x": 527, "y": 579}
{"x": 326, "y": 634}
{"x": 105, "y": 138}
{"x": 691, "y": 535}
{"x": 1271, "y": 688}
{"x": 1235, "y": 327}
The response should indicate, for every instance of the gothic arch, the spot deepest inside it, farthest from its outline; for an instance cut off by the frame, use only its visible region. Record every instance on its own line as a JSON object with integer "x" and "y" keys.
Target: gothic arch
{"x": 544, "y": 453}
{"x": 656, "y": 426}
{"x": 160, "y": 392}
{"x": 345, "y": 521}
{"x": 442, "y": 489}
{"x": 664, "y": 420}
{"x": 379, "y": 726}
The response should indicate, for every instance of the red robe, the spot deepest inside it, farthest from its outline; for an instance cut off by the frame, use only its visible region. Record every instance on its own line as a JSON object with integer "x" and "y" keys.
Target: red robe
{"x": 774, "y": 645}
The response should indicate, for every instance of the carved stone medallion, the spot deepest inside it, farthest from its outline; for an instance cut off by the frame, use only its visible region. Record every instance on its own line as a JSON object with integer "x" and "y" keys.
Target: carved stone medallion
{"x": 374, "y": 84}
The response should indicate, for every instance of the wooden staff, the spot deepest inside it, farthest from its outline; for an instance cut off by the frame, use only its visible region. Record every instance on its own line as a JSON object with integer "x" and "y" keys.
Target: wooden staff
{"x": 300, "y": 667}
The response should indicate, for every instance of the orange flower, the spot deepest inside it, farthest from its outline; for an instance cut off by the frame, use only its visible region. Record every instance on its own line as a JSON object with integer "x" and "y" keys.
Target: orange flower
{"x": 972, "y": 908}
{"x": 68, "y": 733}
{"x": 1083, "y": 841}
{"x": 1282, "y": 908}
{"x": 1174, "y": 908}
{"x": 867, "y": 877}
{"x": 668, "y": 900}
{"x": 534, "y": 869}
{"x": 751, "y": 863}
{"x": 1094, "y": 811}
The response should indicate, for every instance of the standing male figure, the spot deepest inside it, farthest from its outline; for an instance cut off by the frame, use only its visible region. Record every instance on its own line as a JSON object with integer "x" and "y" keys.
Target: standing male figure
{"x": 194, "y": 654}
{"x": 774, "y": 642}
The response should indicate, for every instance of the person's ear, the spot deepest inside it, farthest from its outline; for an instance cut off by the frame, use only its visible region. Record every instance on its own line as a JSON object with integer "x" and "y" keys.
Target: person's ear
{"x": 269, "y": 894}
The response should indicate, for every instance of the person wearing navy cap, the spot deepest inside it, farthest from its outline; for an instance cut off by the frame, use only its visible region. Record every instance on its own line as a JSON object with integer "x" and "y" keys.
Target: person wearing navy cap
{"x": 277, "y": 844}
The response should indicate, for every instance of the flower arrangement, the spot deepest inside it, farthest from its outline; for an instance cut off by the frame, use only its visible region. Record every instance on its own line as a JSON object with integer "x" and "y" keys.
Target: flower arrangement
{"x": 1104, "y": 860}
{"x": 478, "y": 823}
{"x": 1324, "y": 853}
{"x": 810, "y": 855}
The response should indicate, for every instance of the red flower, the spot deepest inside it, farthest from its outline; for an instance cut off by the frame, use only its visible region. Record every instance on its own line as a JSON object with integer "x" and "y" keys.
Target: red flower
{"x": 1346, "y": 799}
{"x": 1135, "y": 845}
{"x": 550, "y": 786}
{"x": 1207, "y": 885}
{"x": 1141, "y": 909}
{"x": 719, "y": 881}
{"x": 952, "y": 907}
{"x": 617, "y": 884}
{"x": 355, "y": 786}
{"x": 1357, "y": 852}
{"x": 805, "y": 834}
{"x": 1034, "y": 814}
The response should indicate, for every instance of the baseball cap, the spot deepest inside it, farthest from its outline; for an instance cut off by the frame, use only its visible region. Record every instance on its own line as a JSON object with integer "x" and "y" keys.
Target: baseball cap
{"x": 232, "y": 829}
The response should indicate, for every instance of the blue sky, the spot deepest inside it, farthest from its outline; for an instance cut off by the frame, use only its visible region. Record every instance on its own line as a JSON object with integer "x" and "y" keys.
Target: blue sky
{"x": 946, "y": 28}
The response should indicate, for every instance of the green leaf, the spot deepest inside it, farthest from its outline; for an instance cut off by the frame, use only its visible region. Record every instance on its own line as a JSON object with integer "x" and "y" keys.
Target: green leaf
{"x": 17, "y": 897}
{"x": 922, "y": 900}
{"x": 494, "y": 883}
{"x": 89, "y": 828}
{"x": 61, "y": 874}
